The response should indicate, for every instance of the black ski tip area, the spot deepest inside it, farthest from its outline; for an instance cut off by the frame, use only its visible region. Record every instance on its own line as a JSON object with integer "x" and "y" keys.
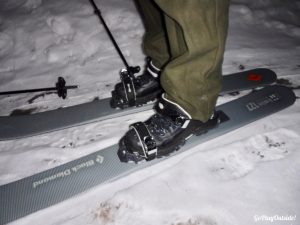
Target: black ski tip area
{"x": 257, "y": 74}
{"x": 249, "y": 78}
{"x": 289, "y": 94}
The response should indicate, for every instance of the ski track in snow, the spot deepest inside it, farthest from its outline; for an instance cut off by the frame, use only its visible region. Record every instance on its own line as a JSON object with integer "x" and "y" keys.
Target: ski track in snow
{"x": 251, "y": 171}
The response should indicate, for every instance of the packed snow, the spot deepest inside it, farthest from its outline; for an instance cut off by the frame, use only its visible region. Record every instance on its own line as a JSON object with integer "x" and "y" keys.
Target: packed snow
{"x": 249, "y": 176}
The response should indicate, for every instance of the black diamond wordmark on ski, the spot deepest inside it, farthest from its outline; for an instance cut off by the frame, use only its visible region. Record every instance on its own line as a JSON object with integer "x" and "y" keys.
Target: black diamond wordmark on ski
{"x": 28, "y": 195}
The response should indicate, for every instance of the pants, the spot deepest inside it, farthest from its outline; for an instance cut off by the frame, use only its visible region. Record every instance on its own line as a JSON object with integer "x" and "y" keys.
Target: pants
{"x": 186, "y": 38}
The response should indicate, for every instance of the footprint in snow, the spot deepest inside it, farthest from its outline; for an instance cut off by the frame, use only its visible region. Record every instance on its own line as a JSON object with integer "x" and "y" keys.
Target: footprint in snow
{"x": 61, "y": 26}
{"x": 121, "y": 212}
{"x": 241, "y": 158}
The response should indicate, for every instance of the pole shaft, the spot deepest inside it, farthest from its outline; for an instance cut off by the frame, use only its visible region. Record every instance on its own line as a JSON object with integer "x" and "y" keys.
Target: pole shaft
{"x": 35, "y": 90}
{"x": 98, "y": 13}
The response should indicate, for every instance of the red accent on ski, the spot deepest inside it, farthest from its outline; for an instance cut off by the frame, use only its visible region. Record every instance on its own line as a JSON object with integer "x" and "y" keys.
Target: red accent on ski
{"x": 255, "y": 77}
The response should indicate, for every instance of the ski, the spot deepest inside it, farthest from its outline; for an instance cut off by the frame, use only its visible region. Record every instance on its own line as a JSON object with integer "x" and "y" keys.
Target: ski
{"x": 50, "y": 187}
{"x": 14, "y": 127}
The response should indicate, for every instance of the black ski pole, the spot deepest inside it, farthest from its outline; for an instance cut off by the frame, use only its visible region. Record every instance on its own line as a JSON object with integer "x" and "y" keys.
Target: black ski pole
{"x": 130, "y": 69}
{"x": 60, "y": 88}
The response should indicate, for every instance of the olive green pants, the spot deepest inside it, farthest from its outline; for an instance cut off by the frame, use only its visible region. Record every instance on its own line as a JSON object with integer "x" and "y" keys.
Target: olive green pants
{"x": 186, "y": 38}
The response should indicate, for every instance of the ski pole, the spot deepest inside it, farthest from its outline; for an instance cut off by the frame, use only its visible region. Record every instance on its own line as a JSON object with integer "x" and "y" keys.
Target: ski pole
{"x": 130, "y": 69}
{"x": 60, "y": 87}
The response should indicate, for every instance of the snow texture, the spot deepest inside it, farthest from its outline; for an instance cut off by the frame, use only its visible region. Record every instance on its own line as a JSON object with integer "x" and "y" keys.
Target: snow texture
{"x": 249, "y": 176}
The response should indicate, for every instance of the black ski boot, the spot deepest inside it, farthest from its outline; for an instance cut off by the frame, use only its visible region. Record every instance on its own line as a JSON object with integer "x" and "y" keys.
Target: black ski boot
{"x": 163, "y": 133}
{"x": 136, "y": 91}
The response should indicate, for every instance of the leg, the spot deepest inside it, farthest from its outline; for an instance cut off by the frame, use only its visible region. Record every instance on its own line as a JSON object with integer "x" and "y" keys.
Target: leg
{"x": 155, "y": 40}
{"x": 145, "y": 87}
{"x": 192, "y": 80}
{"x": 197, "y": 31}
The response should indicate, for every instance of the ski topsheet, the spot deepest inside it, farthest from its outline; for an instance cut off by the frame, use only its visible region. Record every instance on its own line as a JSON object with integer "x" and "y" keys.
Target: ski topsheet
{"x": 28, "y": 195}
{"x": 13, "y": 127}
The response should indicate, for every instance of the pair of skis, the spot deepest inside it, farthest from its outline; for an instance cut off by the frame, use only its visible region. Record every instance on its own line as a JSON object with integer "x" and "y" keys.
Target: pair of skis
{"x": 28, "y": 195}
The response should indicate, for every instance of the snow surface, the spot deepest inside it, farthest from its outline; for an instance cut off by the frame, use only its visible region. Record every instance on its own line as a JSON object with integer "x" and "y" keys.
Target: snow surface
{"x": 248, "y": 176}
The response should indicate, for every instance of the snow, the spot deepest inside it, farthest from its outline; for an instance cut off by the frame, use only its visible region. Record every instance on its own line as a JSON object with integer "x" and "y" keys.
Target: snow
{"x": 249, "y": 176}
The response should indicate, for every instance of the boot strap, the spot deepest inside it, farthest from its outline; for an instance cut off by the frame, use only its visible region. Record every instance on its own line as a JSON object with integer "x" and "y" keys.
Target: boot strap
{"x": 127, "y": 80}
{"x": 172, "y": 110}
{"x": 147, "y": 141}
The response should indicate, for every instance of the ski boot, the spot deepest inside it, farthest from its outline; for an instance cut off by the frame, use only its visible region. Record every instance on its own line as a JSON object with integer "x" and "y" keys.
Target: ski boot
{"x": 136, "y": 91}
{"x": 163, "y": 133}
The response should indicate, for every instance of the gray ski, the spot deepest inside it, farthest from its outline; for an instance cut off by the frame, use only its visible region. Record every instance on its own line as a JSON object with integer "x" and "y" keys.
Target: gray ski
{"x": 13, "y": 127}
{"x": 28, "y": 195}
